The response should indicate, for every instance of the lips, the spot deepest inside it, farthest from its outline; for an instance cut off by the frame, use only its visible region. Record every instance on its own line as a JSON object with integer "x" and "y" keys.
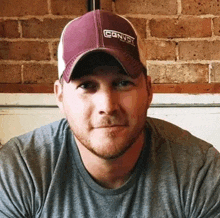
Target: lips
{"x": 113, "y": 130}
{"x": 109, "y": 126}
{"x": 110, "y": 122}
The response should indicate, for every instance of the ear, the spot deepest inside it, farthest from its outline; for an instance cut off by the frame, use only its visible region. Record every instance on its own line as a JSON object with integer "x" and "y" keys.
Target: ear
{"x": 58, "y": 91}
{"x": 149, "y": 90}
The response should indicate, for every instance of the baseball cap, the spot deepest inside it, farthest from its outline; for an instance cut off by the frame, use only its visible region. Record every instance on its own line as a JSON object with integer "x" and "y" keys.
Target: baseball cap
{"x": 102, "y": 31}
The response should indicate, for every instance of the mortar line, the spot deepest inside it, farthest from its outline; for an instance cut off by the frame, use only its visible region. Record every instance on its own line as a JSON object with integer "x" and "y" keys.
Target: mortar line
{"x": 148, "y": 32}
{"x": 113, "y": 7}
{"x": 179, "y": 7}
{"x": 210, "y": 72}
{"x": 212, "y": 28}
{"x": 20, "y": 29}
{"x": 22, "y": 74}
{"x": 50, "y": 50}
{"x": 146, "y": 16}
{"x": 49, "y": 7}
{"x": 177, "y": 51}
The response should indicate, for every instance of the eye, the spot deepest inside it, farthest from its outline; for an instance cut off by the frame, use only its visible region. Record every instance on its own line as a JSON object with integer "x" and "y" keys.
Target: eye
{"x": 124, "y": 84}
{"x": 88, "y": 86}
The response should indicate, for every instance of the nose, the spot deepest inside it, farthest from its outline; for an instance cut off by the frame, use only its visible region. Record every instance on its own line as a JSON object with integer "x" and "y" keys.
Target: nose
{"x": 107, "y": 102}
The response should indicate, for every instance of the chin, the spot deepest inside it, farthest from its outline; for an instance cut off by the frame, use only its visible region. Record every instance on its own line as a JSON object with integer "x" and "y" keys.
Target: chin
{"x": 109, "y": 155}
{"x": 109, "y": 150}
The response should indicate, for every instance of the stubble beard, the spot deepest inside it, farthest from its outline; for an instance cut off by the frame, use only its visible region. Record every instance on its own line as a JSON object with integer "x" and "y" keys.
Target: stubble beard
{"x": 131, "y": 139}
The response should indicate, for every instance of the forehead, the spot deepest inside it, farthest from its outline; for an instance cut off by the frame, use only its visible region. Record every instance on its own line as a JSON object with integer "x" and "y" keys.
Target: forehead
{"x": 98, "y": 62}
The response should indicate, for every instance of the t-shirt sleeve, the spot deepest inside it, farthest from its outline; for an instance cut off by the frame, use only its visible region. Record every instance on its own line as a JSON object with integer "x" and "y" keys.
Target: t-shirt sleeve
{"x": 16, "y": 185}
{"x": 27, "y": 164}
{"x": 204, "y": 192}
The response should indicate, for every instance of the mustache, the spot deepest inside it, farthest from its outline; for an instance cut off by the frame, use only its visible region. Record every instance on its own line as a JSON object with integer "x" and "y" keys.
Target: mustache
{"x": 109, "y": 122}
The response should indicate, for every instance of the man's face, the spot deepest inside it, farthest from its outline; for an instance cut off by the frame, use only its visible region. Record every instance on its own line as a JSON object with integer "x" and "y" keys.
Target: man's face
{"x": 106, "y": 109}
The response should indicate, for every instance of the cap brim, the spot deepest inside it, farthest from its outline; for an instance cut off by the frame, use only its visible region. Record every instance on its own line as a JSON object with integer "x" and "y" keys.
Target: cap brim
{"x": 131, "y": 66}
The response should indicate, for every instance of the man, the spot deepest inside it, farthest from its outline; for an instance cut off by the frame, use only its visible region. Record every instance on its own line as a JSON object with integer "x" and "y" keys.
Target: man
{"x": 106, "y": 159}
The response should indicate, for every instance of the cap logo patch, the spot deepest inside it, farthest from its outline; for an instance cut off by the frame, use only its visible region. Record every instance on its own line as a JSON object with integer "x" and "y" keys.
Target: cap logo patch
{"x": 123, "y": 37}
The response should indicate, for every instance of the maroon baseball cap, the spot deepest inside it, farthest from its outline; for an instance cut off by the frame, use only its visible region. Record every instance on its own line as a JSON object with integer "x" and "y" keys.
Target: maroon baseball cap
{"x": 102, "y": 31}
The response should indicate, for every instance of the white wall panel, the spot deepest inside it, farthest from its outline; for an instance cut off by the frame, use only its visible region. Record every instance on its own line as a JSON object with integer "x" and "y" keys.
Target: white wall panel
{"x": 199, "y": 114}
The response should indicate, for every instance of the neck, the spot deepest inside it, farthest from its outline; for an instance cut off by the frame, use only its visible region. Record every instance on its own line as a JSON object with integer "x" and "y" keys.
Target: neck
{"x": 115, "y": 172}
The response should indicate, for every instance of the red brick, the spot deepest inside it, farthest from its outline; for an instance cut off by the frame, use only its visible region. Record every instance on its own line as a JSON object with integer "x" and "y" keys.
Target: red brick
{"x": 69, "y": 7}
{"x": 215, "y": 73}
{"x": 9, "y": 29}
{"x": 140, "y": 25}
{"x": 40, "y": 73}
{"x": 24, "y": 50}
{"x": 10, "y": 8}
{"x": 48, "y": 28}
{"x": 165, "y": 7}
{"x": 10, "y": 73}
{"x": 196, "y": 7}
{"x": 199, "y": 50}
{"x": 160, "y": 50}
{"x": 217, "y": 26}
{"x": 106, "y": 5}
{"x": 180, "y": 28}
{"x": 178, "y": 73}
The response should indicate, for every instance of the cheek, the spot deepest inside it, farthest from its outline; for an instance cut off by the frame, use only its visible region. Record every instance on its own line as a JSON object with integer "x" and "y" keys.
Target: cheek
{"x": 129, "y": 102}
{"x": 76, "y": 109}
{"x": 135, "y": 103}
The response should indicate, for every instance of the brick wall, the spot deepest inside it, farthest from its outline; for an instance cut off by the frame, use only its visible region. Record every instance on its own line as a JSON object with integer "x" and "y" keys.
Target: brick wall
{"x": 182, "y": 37}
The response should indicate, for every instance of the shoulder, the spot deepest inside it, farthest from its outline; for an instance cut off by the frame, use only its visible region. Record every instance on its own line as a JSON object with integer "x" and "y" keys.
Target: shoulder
{"x": 187, "y": 163}
{"x": 165, "y": 132}
{"x": 177, "y": 147}
{"x": 39, "y": 139}
{"x": 27, "y": 165}
{"x": 34, "y": 152}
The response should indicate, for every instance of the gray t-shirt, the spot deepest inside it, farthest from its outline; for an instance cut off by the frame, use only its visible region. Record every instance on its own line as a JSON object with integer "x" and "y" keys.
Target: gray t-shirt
{"x": 42, "y": 175}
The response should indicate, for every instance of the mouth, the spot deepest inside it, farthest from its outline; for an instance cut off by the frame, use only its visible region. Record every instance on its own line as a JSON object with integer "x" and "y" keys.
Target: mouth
{"x": 112, "y": 129}
{"x": 110, "y": 126}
